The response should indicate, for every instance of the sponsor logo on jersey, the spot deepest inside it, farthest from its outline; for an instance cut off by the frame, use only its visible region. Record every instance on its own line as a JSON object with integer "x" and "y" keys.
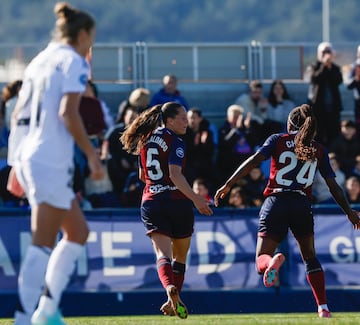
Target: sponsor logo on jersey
{"x": 158, "y": 188}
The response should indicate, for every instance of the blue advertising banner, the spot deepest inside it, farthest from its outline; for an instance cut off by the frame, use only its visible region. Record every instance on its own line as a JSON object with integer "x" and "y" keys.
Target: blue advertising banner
{"x": 338, "y": 249}
{"x": 119, "y": 257}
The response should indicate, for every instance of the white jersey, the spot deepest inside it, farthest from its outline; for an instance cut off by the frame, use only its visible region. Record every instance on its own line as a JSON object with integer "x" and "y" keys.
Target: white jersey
{"x": 55, "y": 71}
{"x": 18, "y": 132}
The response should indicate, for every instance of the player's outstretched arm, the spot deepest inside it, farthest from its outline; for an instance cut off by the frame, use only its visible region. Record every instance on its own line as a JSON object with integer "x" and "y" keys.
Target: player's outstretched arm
{"x": 339, "y": 196}
{"x": 181, "y": 183}
{"x": 245, "y": 167}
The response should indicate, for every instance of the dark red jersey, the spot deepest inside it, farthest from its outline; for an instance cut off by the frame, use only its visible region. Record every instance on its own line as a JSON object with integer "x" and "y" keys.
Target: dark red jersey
{"x": 163, "y": 148}
{"x": 287, "y": 173}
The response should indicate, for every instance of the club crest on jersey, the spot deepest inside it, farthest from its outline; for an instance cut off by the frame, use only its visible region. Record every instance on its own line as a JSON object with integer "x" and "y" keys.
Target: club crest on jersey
{"x": 180, "y": 152}
{"x": 83, "y": 79}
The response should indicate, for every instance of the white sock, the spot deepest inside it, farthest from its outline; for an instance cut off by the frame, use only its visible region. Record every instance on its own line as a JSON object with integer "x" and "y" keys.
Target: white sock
{"x": 21, "y": 318}
{"x": 32, "y": 277}
{"x": 322, "y": 307}
{"x": 60, "y": 267}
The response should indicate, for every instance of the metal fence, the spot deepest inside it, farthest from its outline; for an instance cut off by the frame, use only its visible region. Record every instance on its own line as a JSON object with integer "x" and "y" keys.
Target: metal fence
{"x": 142, "y": 63}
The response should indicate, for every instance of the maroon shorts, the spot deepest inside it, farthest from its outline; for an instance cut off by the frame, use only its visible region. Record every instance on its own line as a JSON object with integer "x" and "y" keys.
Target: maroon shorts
{"x": 174, "y": 218}
{"x": 283, "y": 211}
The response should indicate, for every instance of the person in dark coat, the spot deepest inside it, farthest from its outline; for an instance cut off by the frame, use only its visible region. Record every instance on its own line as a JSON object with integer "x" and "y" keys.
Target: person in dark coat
{"x": 324, "y": 93}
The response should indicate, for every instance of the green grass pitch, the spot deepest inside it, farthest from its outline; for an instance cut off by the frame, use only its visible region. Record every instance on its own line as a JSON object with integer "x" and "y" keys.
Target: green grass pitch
{"x": 224, "y": 319}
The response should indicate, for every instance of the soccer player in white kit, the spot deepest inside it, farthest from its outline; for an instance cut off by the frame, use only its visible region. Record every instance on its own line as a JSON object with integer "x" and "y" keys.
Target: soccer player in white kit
{"x": 53, "y": 84}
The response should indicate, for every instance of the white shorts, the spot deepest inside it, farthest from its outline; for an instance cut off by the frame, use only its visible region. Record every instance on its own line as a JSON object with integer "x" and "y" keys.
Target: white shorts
{"x": 17, "y": 134}
{"x": 46, "y": 184}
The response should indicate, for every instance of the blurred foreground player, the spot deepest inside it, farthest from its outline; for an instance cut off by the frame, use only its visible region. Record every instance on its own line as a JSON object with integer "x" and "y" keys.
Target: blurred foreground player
{"x": 52, "y": 87}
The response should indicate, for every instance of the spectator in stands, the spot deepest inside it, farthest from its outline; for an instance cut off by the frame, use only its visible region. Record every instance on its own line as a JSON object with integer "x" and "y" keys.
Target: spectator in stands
{"x": 339, "y": 173}
{"x": 321, "y": 193}
{"x": 93, "y": 119}
{"x": 122, "y": 166}
{"x": 254, "y": 184}
{"x": 280, "y": 105}
{"x": 97, "y": 193}
{"x": 109, "y": 120}
{"x": 169, "y": 92}
{"x": 352, "y": 189}
{"x": 119, "y": 163}
{"x": 201, "y": 186}
{"x": 236, "y": 141}
{"x": 92, "y": 114}
{"x": 353, "y": 65}
{"x": 9, "y": 95}
{"x": 324, "y": 93}
{"x": 354, "y": 85}
{"x": 356, "y": 169}
{"x": 199, "y": 146}
{"x": 254, "y": 105}
{"x": 346, "y": 146}
{"x": 139, "y": 99}
{"x": 132, "y": 191}
{"x": 100, "y": 193}
{"x": 238, "y": 198}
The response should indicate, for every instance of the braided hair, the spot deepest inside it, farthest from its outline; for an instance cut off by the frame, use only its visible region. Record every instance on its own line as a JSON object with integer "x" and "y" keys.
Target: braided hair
{"x": 138, "y": 132}
{"x": 302, "y": 119}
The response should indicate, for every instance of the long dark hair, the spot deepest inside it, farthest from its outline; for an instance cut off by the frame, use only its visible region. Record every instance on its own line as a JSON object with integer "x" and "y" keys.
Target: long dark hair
{"x": 138, "y": 132}
{"x": 272, "y": 98}
{"x": 302, "y": 119}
